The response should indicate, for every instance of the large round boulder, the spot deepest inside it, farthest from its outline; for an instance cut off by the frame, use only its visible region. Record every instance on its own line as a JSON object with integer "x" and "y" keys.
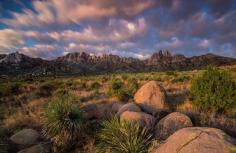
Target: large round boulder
{"x": 25, "y": 137}
{"x": 128, "y": 107}
{"x": 171, "y": 123}
{"x": 142, "y": 118}
{"x": 96, "y": 111}
{"x": 116, "y": 106}
{"x": 35, "y": 149}
{"x": 151, "y": 97}
{"x": 198, "y": 140}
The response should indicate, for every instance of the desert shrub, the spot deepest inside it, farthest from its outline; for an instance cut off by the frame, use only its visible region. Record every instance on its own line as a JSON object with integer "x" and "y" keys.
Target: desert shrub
{"x": 214, "y": 90}
{"x": 117, "y": 89}
{"x": 15, "y": 87}
{"x": 62, "y": 121}
{"x": 47, "y": 88}
{"x": 182, "y": 78}
{"x": 132, "y": 86}
{"x": 123, "y": 137}
{"x": 172, "y": 73}
{"x": 82, "y": 85}
{"x": 124, "y": 77}
{"x": 95, "y": 86}
{"x": 2, "y": 114}
{"x": 10, "y": 88}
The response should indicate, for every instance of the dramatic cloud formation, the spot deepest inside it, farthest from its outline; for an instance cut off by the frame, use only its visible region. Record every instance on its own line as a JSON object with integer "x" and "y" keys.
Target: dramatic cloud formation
{"x": 135, "y": 28}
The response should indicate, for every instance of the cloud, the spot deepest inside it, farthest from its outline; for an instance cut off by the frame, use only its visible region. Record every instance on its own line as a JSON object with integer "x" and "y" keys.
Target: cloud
{"x": 53, "y": 12}
{"x": 43, "y": 51}
{"x": 9, "y": 40}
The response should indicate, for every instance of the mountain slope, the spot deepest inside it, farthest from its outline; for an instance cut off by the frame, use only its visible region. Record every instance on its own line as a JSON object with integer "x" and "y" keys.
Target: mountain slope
{"x": 82, "y": 63}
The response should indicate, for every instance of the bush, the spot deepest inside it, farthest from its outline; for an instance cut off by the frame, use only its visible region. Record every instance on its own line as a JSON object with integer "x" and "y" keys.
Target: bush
{"x": 117, "y": 89}
{"x": 83, "y": 85}
{"x": 214, "y": 91}
{"x": 123, "y": 137}
{"x": 46, "y": 89}
{"x": 181, "y": 79}
{"x": 132, "y": 86}
{"x": 95, "y": 86}
{"x": 172, "y": 73}
{"x": 62, "y": 121}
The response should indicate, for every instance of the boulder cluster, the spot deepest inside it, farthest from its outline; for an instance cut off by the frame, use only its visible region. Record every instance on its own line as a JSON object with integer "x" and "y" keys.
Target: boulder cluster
{"x": 176, "y": 130}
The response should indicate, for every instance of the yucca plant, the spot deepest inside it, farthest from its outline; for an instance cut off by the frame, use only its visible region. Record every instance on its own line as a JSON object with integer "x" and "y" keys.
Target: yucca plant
{"x": 123, "y": 137}
{"x": 62, "y": 121}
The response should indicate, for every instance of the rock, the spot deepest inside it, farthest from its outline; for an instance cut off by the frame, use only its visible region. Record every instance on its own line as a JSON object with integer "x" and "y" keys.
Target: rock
{"x": 128, "y": 107}
{"x": 171, "y": 123}
{"x": 198, "y": 140}
{"x": 140, "y": 117}
{"x": 151, "y": 97}
{"x": 35, "y": 149}
{"x": 25, "y": 137}
{"x": 95, "y": 111}
{"x": 116, "y": 106}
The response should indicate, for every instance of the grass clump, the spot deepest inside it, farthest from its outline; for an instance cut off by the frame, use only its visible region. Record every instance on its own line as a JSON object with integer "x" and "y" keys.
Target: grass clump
{"x": 123, "y": 137}
{"x": 214, "y": 91}
{"x": 62, "y": 121}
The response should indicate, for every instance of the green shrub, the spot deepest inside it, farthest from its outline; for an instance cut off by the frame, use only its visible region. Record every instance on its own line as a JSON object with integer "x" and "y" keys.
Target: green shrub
{"x": 181, "y": 79}
{"x": 15, "y": 87}
{"x": 2, "y": 114}
{"x": 123, "y": 137}
{"x": 172, "y": 73}
{"x": 47, "y": 88}
{"x": 117, "y": 89}
{"x": 82, "y": 85}
{"x": 95, "y": 86}
{"x": 214, "y": 91}
{"x": 62, "y": 120}
{"x": 10, "y": 88}
{"x": 132, "y": 86}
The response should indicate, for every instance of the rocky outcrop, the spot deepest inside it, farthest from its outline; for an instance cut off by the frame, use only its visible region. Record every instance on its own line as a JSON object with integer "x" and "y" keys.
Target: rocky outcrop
{"x": 141, "y": 118}
{"x": 128, "y": 107}
{"x": 25, "y": 137}
{"x": 151, "y": 97}
{"x": 170, "y": 124}
{"x": 198, "y": 140}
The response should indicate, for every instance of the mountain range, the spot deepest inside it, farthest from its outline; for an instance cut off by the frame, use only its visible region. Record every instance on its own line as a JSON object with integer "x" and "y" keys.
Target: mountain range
{"x": 84, "y": 63}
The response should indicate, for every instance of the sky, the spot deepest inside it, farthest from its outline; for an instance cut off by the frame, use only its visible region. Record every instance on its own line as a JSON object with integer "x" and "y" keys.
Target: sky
{"x": 130, "y": 28}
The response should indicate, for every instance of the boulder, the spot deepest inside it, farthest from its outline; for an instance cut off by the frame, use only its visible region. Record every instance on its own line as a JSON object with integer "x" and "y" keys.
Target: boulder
{"x": 151, "y": 97}
{"x": 171, "y": 123}
{"x": 128, "y": 107}
{"x": 140, "y": 117}
{"x": 95, "y": 111}
{"x": 25, "y": 137}
{"x": 35, "y": 149}
{"x": 116, "y": 106}
{"x": 198, "y": 140}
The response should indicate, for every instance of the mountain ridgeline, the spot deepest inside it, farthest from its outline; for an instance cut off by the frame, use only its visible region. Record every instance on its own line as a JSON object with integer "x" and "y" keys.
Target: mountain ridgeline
{"x": 83, "y": 63}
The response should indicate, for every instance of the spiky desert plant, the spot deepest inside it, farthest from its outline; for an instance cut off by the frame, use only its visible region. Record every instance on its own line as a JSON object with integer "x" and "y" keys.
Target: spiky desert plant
{"x": 123, "y": 137}
{"x": 62, "y": 120}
